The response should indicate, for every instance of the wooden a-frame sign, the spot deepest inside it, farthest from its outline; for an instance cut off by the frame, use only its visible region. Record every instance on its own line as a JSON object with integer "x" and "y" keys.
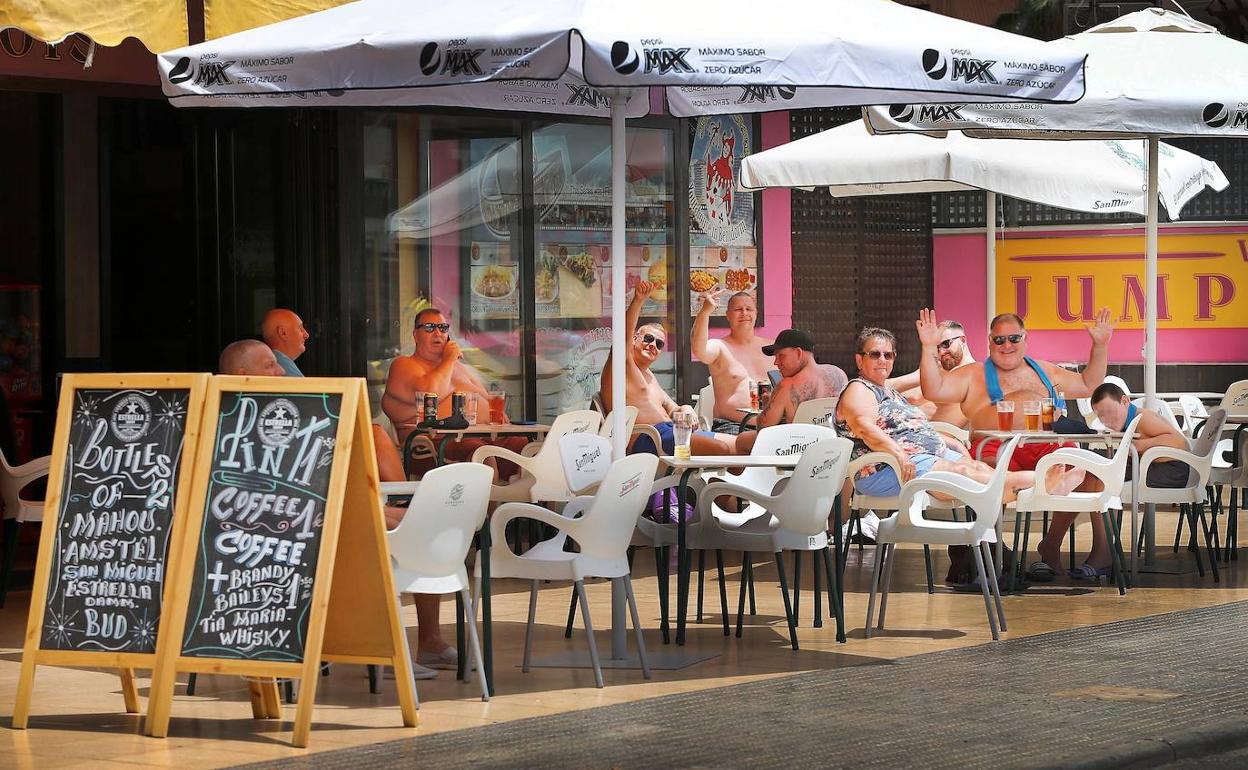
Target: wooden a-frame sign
{"x": 277, "y": 573}
{"x": 114, "y": 511}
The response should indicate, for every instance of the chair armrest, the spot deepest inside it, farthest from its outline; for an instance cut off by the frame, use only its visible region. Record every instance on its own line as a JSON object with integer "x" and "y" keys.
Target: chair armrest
{"x": 649, "y": 431}
{"x": 490, "y": 450}
{"x": 576, "y": 506}
{"x": 954, "y": 485}
{"x": 1090, "y": 462}
{"x": 873, "y": 458}
{"x": 1201, "y": 464}
{"x": 532, "y": 448}
{"x": 398, "y": 487}
{"x": 730, "y": 489}
{"x": 507, "y": 512}
{"x": 36, "y": 468}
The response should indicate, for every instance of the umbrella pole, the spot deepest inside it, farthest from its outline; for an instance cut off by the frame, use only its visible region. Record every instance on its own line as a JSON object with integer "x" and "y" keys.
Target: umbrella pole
{"x": 990, "y": 265}
{"x": 619, "y": 637}
{"x": 1150, "y": 278}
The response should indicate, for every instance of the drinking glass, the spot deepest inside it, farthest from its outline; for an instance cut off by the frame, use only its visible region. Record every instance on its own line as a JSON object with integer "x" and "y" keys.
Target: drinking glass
{"x": 1046, "y": 414}
{"x": 1031, "y": 411}
{"x": 682, "y": 432}
{"x": 498, "y": 407}
{"x": 1005, "y": 415}
{"x": 470, "y": 409}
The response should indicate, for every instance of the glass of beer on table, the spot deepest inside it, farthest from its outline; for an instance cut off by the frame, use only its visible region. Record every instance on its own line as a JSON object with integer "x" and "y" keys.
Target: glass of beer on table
{"x": 682, "y": 432}
{"x": 498, "y": 407}
{"x": 1005, "y": 415}
{"x": 1031, "y": 411}
{"x": 1046, "y": 414}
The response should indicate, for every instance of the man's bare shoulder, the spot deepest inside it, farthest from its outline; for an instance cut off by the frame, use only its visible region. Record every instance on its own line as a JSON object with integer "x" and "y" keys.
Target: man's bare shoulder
{"x": 406, "y": 369}
{"x": 834, "y": 376}
{"x": 966, "y": 372}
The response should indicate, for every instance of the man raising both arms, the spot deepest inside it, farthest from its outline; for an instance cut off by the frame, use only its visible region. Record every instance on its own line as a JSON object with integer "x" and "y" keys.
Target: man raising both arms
{"x": 1010, "y": 375}
{"x": 736, "y": 361}
{"x": 642, "y": 389}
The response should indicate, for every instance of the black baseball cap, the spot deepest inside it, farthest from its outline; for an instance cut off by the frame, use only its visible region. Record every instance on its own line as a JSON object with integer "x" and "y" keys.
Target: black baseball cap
{"x": 789, "y": 338}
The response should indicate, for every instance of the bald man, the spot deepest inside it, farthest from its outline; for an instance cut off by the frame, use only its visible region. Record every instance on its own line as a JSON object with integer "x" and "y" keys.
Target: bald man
{"x": 283, "y": 331}
{"x": 249, "y": 357}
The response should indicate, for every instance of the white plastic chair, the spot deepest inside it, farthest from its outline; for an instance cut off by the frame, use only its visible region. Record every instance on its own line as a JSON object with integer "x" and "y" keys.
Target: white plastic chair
{"x": 1191, "y": 499}
{"x": 817, "y": 411}
{"x": 603, "y": 533}
{"x": 1235, "y": 400}
{"x": 705, "y": 407}
{"x": 793, "y": 519}
{"x": 17, "y": 510}
{"x": 430, "y": 545}
{"x": 1112, "y": 473}
{"x": 1193, "y": 412}
{"x": 630, "y": 427}
{"x": 1232, "y": 479}
{"x": 542, "y": 479}
{"x": 908, "y": 525}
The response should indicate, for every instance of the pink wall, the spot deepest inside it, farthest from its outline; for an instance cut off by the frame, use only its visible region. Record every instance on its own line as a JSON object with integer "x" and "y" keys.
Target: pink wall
{"x": 777, "y": 244}
{"x": 960, "y": 288}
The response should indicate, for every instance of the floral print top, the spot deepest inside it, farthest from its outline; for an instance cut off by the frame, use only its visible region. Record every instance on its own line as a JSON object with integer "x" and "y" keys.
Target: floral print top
{"x": 904, "y": 423}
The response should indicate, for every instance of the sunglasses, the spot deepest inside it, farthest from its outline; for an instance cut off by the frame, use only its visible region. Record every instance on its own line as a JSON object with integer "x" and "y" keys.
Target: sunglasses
{"x": 429, "y": 327}
{"x": 650, "y": 339}
{"x": 887, "y": 355}
{"x": 999, "y": 339}
{"x": 946, "y": 344}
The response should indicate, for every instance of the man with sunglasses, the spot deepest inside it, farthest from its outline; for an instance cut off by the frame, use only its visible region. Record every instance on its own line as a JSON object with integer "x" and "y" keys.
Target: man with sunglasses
{"x": 736, "y": 361}
{"x": 642, "y": 389}
{"x": 953, "y": 352}
{"x": 1010, "y": 375}
{"x": 435, "y": 366}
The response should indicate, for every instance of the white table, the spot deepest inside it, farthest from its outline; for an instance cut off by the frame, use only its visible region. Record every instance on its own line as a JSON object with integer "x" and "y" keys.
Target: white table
{"x": 485, "y": 430}
{"x": 702, "y": 464}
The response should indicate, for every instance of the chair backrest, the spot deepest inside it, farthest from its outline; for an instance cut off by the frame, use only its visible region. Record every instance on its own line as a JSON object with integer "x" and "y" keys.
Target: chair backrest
{"x": 804, "y": 505}
{"x": 1119, "y": 382}
{"x": 1193, "y": 410}
{"x": 1205, "y": 445}
{"x": 961, "y": 434}
{"x": 1162, "y": 408}
{"x": 586, "y": 459}
{"x": 448, "y": 508}
{"x": 706, "y": 404}
{"x": 606, "y": 529}
{"x": 817, "y": 411}
{"x": 1236, "y": 399}
{"x": 780, "y": 440}
{"x": 608, "y": 422}
{"x": 596, "y": 404}
{"x": 550, "y": 484}
{"x": 1116, "y": 475}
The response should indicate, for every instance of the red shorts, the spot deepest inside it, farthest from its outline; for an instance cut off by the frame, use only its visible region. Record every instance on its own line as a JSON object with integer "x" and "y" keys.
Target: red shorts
{"x": 1024, "y": 458}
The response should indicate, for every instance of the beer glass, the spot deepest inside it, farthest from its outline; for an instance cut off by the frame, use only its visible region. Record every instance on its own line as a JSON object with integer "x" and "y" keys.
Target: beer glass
{"x": 498, "y": 407}
{"x": 682, "y": 432}
{"x": 470, "y": 409}
{"x": 1005, "y": 415}
{"x": 1046, "y": 414}
{"x": 1031, "y": 411}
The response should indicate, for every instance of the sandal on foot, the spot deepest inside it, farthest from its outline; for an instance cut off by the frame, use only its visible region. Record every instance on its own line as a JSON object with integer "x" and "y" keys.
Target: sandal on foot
{"x": 1088, "y": 572}
{"x": 1041, "y": 572}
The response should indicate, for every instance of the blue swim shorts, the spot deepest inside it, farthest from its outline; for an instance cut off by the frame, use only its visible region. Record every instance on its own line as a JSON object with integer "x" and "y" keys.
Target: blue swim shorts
{"x": 883, "y": 483}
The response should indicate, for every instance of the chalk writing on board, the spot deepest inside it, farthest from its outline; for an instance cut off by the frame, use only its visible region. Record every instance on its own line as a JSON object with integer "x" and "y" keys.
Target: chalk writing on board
{"x": 115, "y": 519}
{"x": 256, "y": 557}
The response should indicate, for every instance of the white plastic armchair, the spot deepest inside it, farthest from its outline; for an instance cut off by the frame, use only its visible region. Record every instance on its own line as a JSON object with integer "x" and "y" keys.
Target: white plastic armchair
{"x": 817, "y": 411}
{"x": 17, "y": 510}
{"x": 1193, "y": 412}
{"x": 908, "y": 525}
{"x": 706, "y": 407}
{"x": 790, "y": 439}
{"x": 1235, "y": 400}
{"x": 603, "y": 533}
{"x": 630, "y": 427}
{"x": 542, "y": 478}
{"x": 428, "y": 548}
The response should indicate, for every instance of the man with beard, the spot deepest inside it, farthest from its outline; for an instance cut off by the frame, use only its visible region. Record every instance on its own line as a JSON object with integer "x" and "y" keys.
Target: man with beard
{"x": 952, "y": 353}
{"x": 802, "y": 379}
{"x": 1010, "y": 375}
{"x": 737, "y": 361}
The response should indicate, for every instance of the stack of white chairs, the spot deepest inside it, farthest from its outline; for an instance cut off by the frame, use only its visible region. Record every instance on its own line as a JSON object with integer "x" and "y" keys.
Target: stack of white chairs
{"x": 1230, "y": 471}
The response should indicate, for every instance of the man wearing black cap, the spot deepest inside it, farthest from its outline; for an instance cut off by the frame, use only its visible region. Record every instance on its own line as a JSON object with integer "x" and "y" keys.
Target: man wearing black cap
{"x": 802, "y": 379}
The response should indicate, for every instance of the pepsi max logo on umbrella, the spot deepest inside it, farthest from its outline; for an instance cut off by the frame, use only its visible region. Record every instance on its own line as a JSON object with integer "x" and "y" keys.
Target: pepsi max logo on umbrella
{"x": 927, "y": 113}
{"x": 626, "y": 61}
{"x": 752, "y": 94}
{"x": 1219, "y": 115}
{"x": 208, "y": 74}
{"x": 965, "y": 69}
{"x": 454, "y": 61}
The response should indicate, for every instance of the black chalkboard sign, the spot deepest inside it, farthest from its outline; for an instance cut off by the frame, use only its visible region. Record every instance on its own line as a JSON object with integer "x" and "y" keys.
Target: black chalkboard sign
{"x": 256, "y": 556}
{"x": 113, "y": 526}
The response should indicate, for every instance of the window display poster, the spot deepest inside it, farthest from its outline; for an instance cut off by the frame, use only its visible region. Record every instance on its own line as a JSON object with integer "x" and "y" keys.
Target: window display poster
{"x": 493, "y": 278}
{"x": 723, "y": 251}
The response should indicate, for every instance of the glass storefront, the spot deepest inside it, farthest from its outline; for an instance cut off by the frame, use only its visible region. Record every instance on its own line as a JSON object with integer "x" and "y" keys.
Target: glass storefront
{"x": 504, "y": 225}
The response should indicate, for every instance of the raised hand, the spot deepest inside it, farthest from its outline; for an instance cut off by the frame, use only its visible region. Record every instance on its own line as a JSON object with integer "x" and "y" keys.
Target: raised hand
{"x": 710, "y": 299}
{"x": 929, "y": 331}
{"x": 1102, "y": 329}
{"x": 642, "y": 291}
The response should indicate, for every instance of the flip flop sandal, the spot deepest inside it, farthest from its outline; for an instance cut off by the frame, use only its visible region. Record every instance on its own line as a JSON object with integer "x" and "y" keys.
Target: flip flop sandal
{"x": 1088, "y": 572}
{"x": 1041, "y": 572}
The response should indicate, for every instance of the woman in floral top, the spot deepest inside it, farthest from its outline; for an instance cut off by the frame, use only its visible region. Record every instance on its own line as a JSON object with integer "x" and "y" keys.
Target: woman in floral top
{"x": 879, "y": 419}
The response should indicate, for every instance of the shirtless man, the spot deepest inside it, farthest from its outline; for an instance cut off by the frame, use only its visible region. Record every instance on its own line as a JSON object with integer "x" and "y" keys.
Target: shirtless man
{"x": 803, "y": 379}
{"x": 283, "y": 331}
{"x": 249, "y": 357}
{"x": 642, "y": 390}
{"x": 435, "y": 367}
{"x": 1010, "y": 375}
{"x": 953, "y": 352}
{"x": 735, "y": 361}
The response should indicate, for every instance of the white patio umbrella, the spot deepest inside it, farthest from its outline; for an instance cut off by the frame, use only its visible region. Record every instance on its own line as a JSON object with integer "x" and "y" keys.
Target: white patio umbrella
{"x": 1158, "y": 73}
{"x": 516, "y": 54}
{"x": 1111, "y": 177}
